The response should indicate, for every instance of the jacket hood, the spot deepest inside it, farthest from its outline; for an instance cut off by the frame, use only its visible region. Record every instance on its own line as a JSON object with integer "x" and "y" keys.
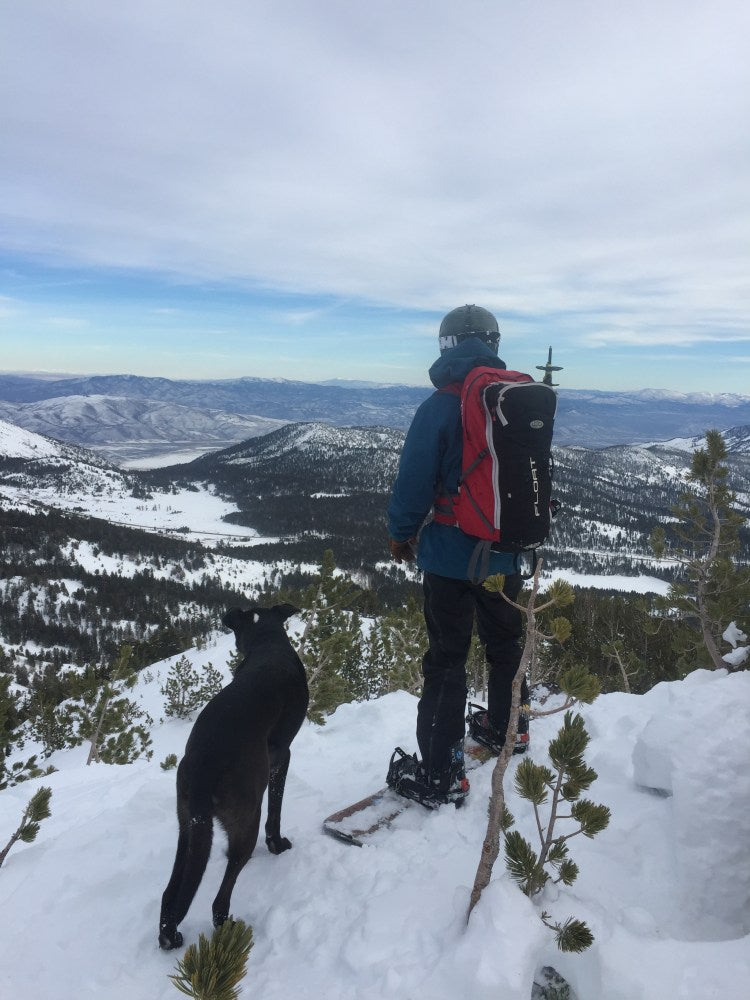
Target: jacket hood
{"x": 455, "y": 364}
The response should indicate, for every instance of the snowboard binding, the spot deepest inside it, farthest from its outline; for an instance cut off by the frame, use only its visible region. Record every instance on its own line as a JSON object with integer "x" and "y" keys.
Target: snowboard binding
{"x": 483, "y": 732}
{"x": 407, "y": 777}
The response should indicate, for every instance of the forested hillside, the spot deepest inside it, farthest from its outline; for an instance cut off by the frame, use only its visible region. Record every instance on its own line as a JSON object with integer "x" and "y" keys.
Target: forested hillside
{"x": 79, "y": 579}
{"x": 314, "y": 486}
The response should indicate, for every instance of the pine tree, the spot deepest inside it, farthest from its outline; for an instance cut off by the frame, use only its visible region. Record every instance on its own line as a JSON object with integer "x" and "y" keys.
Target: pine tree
{"x": 36, "y": 810}
{"x": 234, "y": 660}
{"x": 576, "y": 683}
{"x": 376, "y": 659}
{"x": 403, "y": 639}
{"x": 214, "y": 968}
{"x": 714, "y": 590}
{"x": 101, "y": 712}
{"x": 10, "y": 719}
{"x": 627, "y": 662}
{"x": 565, "y": 783}
{"x": 331, "y": 645}
{"x": 45, "y": 722}
{"x": 353, "y": 667}
{"x": 186, "y": 690}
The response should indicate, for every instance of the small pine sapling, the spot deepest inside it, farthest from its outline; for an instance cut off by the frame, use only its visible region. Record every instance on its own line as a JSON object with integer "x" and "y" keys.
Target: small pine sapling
{"x": 36, "y": 810}
{"x": 185, "y": 689}
{"x": 13, "y": 774}
{"x": 169, "y": 763}
{"x": 214, "y": 968}
{"x": 47, "y": 724}
{"x": 564, "y": 783}
{"x": 22, "y": 771}
{"x": 102, "y": 713}
{"x": 331, "y": 645}
{"x": 577, "y": 685}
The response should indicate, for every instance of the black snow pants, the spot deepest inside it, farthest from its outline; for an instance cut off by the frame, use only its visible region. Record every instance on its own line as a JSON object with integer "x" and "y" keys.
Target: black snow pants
{"x": 449, "y": 609}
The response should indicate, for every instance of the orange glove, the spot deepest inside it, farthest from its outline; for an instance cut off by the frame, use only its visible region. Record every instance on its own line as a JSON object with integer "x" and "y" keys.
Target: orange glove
{"x": 403, "y": 551}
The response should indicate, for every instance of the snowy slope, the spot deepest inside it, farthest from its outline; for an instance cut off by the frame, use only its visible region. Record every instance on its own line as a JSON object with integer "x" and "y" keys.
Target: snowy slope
{"x": 737, "y": 440}
{"x": 18, "y": 443}
{"x": 665, "y": 888}
{"x": 67, "y": 478}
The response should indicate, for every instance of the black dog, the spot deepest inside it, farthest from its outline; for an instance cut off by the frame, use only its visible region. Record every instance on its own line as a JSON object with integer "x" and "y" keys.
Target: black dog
{"x": 238, "y": 746}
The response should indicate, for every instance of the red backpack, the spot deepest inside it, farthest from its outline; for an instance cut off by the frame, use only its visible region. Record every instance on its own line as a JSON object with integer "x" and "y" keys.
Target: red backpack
{"x": 504, "y": 494}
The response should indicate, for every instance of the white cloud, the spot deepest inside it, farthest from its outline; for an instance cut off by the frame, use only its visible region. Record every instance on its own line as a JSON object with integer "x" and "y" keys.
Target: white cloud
{"x": 542, "y": 158}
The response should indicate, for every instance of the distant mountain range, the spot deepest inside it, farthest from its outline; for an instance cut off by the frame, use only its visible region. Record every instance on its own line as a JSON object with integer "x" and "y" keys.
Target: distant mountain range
{"x": 128, "y": 428}
{"x": 127, "y": 416}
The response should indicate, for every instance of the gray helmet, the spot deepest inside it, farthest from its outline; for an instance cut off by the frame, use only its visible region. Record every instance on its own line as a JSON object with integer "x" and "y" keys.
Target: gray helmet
{"x": 468, "y": 321}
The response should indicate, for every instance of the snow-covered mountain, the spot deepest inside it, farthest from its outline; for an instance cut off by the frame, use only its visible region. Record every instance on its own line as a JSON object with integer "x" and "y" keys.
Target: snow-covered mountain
{"x": 737, "y": 440}
{"x": 314, "y": 457}
{"x": 15, "y": 442}
{"x": 588, "y": 418}
{"x": 664, "y": 888}
{"x": 38, "y": 473}
{"x": 312, "y": 486}
{"x": 126, "y": 428}
{"x": 279, "y": 399}
{"x": 32, "y": 461}
{"x": 601, "y": 419}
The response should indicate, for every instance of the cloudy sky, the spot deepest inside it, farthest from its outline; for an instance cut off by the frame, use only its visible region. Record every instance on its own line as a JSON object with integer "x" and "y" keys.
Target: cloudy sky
{"x": 302, "y": 188}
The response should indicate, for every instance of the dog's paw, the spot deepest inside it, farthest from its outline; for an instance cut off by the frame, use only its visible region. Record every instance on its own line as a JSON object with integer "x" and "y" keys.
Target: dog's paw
{"x": 277, "y": 845}
{"x": 169, "y": 939}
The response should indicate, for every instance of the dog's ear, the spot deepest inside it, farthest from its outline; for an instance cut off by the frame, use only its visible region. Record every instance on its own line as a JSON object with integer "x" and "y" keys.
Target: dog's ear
{"x": 285, "y": 611}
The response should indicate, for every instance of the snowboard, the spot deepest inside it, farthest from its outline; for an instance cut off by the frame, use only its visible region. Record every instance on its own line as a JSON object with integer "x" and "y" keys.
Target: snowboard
{"x": 357, "y": 823}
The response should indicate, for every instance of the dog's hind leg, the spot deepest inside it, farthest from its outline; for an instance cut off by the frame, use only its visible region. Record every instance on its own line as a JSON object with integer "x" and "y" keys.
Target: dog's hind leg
{"x": 276, "y": 783}
{"x": 169, "y": 936}
{"x": 193, "y": 850}
{"x": 242, "y": 834}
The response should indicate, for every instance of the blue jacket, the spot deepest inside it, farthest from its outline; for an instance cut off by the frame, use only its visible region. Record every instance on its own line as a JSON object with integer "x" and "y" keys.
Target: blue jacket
{"x": 430, "y": 465}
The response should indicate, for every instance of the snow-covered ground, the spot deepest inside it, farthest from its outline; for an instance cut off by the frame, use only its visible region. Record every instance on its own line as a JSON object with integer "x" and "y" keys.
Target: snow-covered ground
{"x": 15, "y": 443}
{"x": 615, "y": 581}
{"x": 665, "y": 889}
{"x": 104, "y": 493}
{"x": 200, "y": 510}
{"x": 166, "y": 458}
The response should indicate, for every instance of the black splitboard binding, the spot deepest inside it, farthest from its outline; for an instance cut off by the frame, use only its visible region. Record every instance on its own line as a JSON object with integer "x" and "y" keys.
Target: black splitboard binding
{"x": 406, "y": 777}
{"x": 480, "y": 730}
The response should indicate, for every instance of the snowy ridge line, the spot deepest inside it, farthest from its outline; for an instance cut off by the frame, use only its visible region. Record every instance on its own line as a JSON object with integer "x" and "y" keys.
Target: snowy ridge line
{"x": 135, "y": 408}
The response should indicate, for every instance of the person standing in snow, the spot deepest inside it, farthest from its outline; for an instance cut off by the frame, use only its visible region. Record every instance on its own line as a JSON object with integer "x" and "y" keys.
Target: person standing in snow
{"x": 430, "y": 468}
